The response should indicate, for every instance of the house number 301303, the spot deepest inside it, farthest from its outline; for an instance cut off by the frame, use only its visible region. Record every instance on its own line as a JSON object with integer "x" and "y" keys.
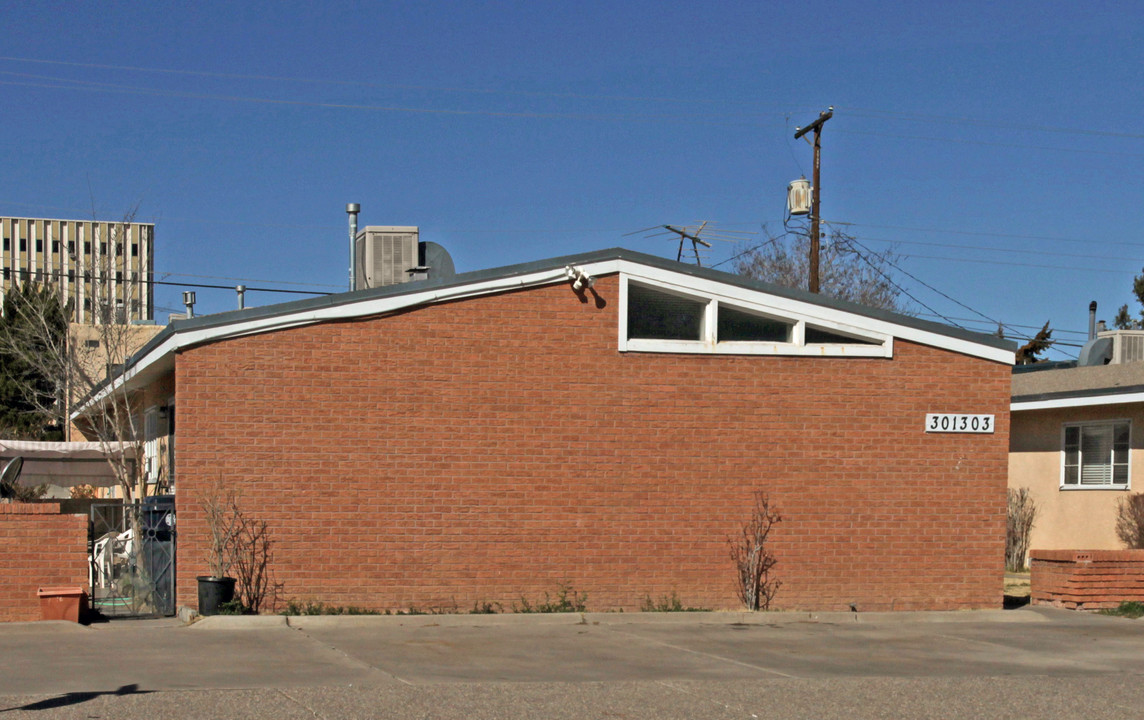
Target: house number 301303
{"x": 954, "y": 423}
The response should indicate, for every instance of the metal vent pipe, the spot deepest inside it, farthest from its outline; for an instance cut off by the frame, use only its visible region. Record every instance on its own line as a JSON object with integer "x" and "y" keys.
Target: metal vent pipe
{"x": 1092, "y": 320}
{"x": 352, "y": 209}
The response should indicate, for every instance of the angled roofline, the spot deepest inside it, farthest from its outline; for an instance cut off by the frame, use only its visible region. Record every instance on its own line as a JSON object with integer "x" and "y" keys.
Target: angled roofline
{"x": 559, "y": 263}
{"x": 375, "y": 301}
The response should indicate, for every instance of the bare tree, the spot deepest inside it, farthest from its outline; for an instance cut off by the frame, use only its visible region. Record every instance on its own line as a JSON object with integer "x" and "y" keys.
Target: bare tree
{"x": 83, "y": 363}
{"x": 1021, "y": 515}
{"x": 1130, "y": 521}
{"x": 846, "y": 271}
{"x": 753, "y": 557}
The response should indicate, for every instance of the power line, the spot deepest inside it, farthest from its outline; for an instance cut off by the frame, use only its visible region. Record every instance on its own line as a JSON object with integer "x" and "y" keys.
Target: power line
{"x": 948, "y": 119}
{"x": 53, "y": 83}
{"x": 979, "y": 233}
{"x": 1003, "y": 250}
{"x": 856, "y": 112}
{"x": 966, "y": 141}
{"x": 850, "y": 240}
{"x": 361, "y": 83}
{"x": 244, "y": 280}
{"x": 34, "y": 275}
{"x": 1017, "y": 264}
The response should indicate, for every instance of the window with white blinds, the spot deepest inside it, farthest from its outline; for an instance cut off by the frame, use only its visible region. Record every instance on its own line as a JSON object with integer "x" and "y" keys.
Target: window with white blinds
{"x": 1096, "y": 454}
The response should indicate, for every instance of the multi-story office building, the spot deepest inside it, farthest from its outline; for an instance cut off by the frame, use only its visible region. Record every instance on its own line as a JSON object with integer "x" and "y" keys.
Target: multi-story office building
{"x": 104, "y": 268}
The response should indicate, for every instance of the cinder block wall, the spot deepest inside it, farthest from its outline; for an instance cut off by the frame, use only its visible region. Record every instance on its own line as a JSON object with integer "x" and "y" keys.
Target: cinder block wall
{"x": 1086, "y": 579}
{"x": 41, "y": 548}
{"x": 496, "y": 447}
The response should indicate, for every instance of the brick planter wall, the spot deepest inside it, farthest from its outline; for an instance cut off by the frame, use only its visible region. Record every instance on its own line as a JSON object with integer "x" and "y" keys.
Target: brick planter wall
{"x": 41, "y": 547}
{"x": 1086, "y": 579}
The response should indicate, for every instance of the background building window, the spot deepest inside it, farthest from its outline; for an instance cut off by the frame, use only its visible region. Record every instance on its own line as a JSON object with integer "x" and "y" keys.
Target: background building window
{"x": 1096, "y": 454}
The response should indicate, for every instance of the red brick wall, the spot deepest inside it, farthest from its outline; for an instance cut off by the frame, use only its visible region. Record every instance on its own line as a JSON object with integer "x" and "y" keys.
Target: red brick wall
{"x": 41, "y": 548}
{"x": 493, "y": 448}
{"x": 1086, "y": 579}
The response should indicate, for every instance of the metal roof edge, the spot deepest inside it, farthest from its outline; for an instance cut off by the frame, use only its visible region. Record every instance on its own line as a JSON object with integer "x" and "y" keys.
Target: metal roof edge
{"x": 1104, "y": 392}
{"x": 223, "y": 319}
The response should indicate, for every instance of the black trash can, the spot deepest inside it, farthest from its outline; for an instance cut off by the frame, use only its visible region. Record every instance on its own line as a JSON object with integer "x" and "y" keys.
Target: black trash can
{"x": 214, "y": 592}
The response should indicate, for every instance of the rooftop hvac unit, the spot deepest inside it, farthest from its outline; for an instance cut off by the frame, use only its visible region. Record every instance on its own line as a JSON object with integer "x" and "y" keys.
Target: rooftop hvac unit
{"x": 1127, "y": 346}
{"x": 385, "y": 255}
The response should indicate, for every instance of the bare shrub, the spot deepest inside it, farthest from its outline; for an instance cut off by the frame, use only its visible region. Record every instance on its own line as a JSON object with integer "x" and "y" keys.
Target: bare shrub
{"x": 236, "y": 541}
{"x": 224, "y": 523}
{"x": 252, "y": 556}
{"x": 1022, "y": 513}
{"x": 1130, "y": 521}
{"x": 753, "y": 558}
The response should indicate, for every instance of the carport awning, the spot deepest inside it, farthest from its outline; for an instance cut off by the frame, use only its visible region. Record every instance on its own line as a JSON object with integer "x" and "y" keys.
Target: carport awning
{"x": 62, "y": 463}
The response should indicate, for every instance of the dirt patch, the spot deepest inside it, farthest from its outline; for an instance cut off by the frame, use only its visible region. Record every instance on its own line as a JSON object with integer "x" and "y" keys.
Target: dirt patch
{"x": 1016, "y": 589}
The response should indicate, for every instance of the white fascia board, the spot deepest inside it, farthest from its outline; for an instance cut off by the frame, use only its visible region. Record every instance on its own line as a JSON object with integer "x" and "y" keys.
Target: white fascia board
{"x": 1073, "y": 402}
{"x": 825, "y": 317}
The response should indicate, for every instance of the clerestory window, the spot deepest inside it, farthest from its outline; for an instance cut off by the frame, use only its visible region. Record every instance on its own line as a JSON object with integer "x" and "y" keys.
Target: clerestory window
{"x": 667, "y": 319}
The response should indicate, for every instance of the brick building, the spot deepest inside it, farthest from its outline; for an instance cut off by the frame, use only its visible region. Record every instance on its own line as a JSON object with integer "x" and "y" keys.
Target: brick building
{"x": 599, "y": 421}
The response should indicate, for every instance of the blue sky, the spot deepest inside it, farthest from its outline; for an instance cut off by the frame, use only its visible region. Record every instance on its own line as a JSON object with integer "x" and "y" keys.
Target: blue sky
{"x": 997, "y": 146}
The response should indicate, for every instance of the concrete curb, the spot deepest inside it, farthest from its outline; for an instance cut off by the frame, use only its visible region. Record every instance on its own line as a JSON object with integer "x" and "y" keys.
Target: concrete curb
{"x": 679, "y": 618}
{"x": 239, "y": 622}
{"x": 42, "y": 627}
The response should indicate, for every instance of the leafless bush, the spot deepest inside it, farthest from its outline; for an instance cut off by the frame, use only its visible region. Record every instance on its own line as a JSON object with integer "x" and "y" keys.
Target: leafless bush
{"x": 224, "y": 523}
{"x": 240, "y": 542}
{"x": 1022, "y": 513}
{"x": 252, "y": 556}
{"x": 1130, "y": 521}
{"x": 753, "y": 558}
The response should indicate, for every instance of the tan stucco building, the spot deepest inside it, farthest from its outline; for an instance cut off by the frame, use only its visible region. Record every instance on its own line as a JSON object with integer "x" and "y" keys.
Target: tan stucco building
{"x": 103, "y": 268}
{"x": 1076, "y": 436}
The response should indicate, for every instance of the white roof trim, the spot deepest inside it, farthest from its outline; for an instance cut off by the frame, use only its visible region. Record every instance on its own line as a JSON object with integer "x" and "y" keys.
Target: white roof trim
{"x": 819, "y": 315}
{"x": 1076, "y": 401}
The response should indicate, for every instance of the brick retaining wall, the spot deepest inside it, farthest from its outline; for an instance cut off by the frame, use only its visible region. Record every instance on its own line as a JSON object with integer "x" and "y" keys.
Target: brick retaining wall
{"x": 41, "y": 548}
{"x": 1086, "y": 579}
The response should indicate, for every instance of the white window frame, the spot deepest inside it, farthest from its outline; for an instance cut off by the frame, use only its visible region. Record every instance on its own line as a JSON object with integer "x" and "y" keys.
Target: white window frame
{"x": 709, "y": 344}
{"x": 1080, "y": 465}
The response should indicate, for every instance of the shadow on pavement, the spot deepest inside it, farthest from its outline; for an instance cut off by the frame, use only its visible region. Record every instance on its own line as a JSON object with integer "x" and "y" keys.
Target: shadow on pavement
{"x": 76, "y": 698}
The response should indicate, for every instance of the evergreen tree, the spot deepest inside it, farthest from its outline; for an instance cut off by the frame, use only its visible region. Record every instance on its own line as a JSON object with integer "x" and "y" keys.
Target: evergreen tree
{"x": 1123, "y": 320}
{"x": 34, "y": 324}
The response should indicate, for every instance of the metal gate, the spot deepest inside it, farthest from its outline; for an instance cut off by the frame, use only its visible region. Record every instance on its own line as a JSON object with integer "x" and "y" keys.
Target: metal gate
{"x": 133, "y": 558}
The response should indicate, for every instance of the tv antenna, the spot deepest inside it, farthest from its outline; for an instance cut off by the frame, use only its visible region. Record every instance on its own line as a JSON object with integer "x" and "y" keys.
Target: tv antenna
{"x": 691, "y": 233}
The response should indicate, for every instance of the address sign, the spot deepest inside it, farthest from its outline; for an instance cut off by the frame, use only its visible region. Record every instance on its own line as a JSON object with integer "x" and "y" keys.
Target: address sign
{"x": 955, "y": 423}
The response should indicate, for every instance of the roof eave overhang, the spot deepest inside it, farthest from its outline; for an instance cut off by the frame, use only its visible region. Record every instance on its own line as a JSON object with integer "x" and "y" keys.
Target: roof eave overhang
{"x": 158, "y": 356}
{"x": 1049, "y": 402}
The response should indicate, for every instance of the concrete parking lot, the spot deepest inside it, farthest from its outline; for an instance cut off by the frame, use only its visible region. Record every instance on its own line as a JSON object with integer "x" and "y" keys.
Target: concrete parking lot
{"x": 1006, "y": 664}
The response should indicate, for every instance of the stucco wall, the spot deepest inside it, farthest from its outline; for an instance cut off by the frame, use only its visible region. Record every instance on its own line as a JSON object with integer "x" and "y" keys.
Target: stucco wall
{"x": 493, "y": 448}
{"x": 1073, "y": 518}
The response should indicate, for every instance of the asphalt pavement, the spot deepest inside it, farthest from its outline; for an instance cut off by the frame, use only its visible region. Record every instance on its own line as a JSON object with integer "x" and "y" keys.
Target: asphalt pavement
{"x": 1032, "y": 662}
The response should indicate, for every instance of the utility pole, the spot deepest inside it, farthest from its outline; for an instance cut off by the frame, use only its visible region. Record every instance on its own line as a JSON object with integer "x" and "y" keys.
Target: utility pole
{"x": 816, "y": 126}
